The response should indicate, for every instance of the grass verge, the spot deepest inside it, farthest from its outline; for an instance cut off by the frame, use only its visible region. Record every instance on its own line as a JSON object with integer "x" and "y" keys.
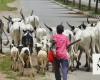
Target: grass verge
{"x": 4, "y": 7}
{"x": 83, "y": 7}
{"x": 5, "y": 68}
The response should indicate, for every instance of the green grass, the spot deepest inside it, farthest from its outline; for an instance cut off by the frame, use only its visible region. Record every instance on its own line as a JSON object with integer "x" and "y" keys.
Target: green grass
{"x": 5, "y": 67}
{"x": 4, "y": 7}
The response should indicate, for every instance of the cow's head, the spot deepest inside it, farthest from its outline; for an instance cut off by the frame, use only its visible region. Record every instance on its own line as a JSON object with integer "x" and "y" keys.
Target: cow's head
{"x": 82, "y": 26}
{"x": 27, "y": 39}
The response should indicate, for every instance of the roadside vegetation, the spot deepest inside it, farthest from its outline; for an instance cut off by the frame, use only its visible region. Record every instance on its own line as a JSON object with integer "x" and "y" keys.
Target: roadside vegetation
{"x": 5, "y": 67}
{"x": 4, "y": 7}
{"x": 90, "y": 10}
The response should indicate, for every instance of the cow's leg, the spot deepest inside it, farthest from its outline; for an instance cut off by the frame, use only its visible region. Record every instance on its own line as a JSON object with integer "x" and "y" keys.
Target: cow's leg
{"x": 86, "y": 64}
{"x": 45, "y": 63}
{"x": 88, "y": 60}
{"x": 78, "y": 61}
{"x": 42, "y": 68}
{"x": 38, "y": 67}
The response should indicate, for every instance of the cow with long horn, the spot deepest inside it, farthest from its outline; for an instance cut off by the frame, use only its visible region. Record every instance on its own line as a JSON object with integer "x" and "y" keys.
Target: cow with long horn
{"x": 86, "y": 43}
{"x": 11, "y": 21}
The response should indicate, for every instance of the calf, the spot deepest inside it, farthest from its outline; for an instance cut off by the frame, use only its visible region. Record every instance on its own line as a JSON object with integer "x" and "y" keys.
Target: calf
{"x": 25, "y": 57}
{"x": 42, "y": 61}
{"x": 14, "y": 57}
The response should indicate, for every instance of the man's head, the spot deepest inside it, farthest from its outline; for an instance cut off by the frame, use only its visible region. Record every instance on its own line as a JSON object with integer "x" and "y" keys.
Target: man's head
{"x": 60, "y": 29}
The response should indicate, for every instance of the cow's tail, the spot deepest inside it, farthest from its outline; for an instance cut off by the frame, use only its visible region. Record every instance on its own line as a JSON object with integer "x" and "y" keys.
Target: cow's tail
{"x": 6, "y": 37}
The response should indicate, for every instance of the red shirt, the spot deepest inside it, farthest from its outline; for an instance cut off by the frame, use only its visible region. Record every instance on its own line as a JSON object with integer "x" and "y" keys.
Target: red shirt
{"x": 61, "y": 43}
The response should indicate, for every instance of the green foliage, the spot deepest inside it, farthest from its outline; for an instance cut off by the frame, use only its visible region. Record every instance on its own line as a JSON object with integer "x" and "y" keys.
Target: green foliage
{"x": 3, "y": 5}
{"x": 5, "y": 67}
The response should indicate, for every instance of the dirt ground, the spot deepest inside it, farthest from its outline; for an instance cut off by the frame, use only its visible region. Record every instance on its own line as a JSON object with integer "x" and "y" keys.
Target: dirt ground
{"x": 27, "y": 72}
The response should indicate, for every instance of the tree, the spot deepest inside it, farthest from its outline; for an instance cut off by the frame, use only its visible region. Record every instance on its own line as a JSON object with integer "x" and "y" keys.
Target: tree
{"x": 89, "y": 5}
{"x": 73, "y": 2}
{"x": 96, "y": 6}
{"x": 66, "y": 1}
{"x": 79, "y": 4}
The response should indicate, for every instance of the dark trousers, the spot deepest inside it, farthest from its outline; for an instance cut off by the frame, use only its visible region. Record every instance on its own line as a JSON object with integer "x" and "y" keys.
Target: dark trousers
{"x": 63, "y": 65}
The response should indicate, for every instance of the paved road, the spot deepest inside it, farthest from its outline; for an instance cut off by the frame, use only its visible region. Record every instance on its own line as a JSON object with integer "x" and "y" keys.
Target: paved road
{"x": 53, "y": 14}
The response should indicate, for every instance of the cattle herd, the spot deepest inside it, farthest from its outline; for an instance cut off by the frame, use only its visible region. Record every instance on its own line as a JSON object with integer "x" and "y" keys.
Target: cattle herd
{"x": 27, "y": 38}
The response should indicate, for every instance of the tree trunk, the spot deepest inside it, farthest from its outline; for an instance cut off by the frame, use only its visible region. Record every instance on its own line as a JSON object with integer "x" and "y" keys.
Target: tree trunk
{"x": 96, "y": 6}
{"x": 66, "y": 1}
{"x": 0, "y": 39}
{"x": 79, "y": 4}
{"x": 73, "y": 2}
{"x": 89, "y": 5}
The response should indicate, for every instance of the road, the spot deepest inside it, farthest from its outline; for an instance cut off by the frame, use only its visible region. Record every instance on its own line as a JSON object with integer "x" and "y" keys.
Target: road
{"x": 53, "y": 14}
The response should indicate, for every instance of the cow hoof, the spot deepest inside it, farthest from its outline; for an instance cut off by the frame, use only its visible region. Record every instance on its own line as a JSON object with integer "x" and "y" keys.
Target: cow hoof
{"x": 86, "y": 65}
{"x": 77, "y": 67}
{"x": 72, "y": 70}
{"x": 78, "y": 64}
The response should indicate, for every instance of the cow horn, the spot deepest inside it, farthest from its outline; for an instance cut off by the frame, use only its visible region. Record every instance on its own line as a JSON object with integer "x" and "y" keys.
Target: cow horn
{"x": 22, "y": 15}
{"x": 70, "y": 25}
{"x": 48, "y": 27}
{"x": 32, "y": 12}
{"x": 9, "y": 19}
{"x": 6, "y": 18}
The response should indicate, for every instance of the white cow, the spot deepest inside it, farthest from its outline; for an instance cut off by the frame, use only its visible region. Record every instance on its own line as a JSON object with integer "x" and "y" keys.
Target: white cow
{"x": 73, "y": 55}
{"x": 39, "y": 33}
{"x": 85, "y": 43}
{"x": 16, "y": 27}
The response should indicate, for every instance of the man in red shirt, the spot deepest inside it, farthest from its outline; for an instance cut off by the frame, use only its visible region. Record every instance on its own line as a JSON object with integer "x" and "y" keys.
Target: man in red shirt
{"x": 62, "y": 56}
